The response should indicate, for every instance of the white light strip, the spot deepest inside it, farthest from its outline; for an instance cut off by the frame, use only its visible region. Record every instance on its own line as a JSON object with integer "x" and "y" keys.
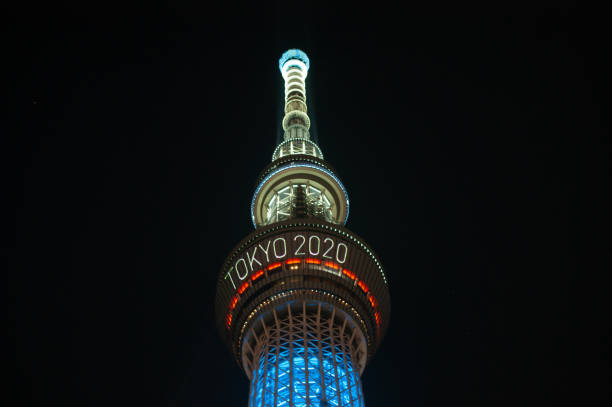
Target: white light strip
{"x": 292, "y": 62}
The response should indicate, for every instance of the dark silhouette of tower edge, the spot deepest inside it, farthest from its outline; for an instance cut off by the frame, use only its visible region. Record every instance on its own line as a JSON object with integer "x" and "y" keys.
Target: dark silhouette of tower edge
{"x": 302, "y": 302}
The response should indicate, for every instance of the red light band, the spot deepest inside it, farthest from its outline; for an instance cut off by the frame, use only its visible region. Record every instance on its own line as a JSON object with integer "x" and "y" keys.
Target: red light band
{"x": 243, "y": 287}
{"x": 372, "y": 301}
{"x": 349, "y": 274}
{"x": 233, "y": 303}
{"x": 257, "y": 275}
{"x": 331, "y": 264}
{"x": 363, "y": 286}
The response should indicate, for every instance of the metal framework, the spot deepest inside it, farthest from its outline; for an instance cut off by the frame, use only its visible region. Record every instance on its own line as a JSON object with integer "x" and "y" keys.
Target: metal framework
{"x": 299, "y": 144}
{"x": 283, "y": 203}
{"x": 306, "y": 354}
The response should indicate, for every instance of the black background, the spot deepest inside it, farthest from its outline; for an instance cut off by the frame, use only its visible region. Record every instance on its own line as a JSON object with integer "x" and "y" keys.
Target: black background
{"x": 473, "y": 143}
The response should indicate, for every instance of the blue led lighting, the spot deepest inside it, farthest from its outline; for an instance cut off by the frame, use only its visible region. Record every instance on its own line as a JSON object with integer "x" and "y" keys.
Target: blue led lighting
{"x": 261, "y": 184}
{"x": 293, "y": 54}
{"x": 306, "y": 377}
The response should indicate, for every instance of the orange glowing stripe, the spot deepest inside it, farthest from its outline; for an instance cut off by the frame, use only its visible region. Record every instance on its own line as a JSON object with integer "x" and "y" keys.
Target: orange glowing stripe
{"x": 377, "y": 316}
{"x": 229, "y": 320}
{"x": 293, "y": 261}
{"x": 257, "y": 275}
{"x": 331, "y": 264}
{"x": 363, "y": 286}
{"x": 372, "y": 301}
{"x": 233, "y": 303}
{"x": 243, "y": 287}
{"x": 349, "y": 274}
{"x": 274, "y": 265}
{"x": 310, "y": 260}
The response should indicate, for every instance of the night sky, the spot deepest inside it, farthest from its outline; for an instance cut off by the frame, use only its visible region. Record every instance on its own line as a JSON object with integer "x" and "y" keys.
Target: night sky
{"x": 474, "y": 144}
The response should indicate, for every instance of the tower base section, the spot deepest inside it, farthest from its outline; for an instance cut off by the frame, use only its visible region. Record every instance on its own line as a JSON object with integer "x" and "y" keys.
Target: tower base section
{"x": 305, "y": 354}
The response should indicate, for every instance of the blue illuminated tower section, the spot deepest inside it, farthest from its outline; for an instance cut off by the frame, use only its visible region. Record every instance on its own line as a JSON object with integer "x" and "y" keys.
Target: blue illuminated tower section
{"x": 302, "y": 302}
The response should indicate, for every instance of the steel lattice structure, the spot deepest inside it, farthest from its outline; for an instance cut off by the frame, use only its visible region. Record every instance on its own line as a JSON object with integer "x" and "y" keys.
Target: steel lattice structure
{"x": 308, "y": 354}
{"x": 302, "y": 302}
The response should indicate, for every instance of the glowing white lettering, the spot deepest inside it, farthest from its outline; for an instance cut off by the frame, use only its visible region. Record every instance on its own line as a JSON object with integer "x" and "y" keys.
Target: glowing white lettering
{"x": 248, "y": 262}
{"x": 246, "y": 269}
{"x": 266, "y": 251}
{"x": 297, "y": 251}
{"x": 331, "y": 246}
{"x": 252, "y": 258}
{"x": 282, "y": 239}
{"x": 230, "y": 276}
{"x": 310, "y": 245}
{"x": 338, "y": 253}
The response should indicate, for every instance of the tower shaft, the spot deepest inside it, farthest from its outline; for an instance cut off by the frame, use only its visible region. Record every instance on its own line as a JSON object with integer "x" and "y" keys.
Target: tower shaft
{"x": 302, "y": 301}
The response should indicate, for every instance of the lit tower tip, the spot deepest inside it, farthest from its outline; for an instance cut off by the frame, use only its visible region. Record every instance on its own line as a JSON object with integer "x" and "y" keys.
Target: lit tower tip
{"x": 294, "y": 65}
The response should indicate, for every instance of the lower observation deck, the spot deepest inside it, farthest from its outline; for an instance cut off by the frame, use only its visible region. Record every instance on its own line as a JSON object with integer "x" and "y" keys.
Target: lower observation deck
{"x": 301, "y": 261}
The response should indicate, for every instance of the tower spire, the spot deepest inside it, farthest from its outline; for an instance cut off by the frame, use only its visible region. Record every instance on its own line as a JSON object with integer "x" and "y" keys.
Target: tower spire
{"x": 298, "y": 183}
{"x": 294, "y": 65}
